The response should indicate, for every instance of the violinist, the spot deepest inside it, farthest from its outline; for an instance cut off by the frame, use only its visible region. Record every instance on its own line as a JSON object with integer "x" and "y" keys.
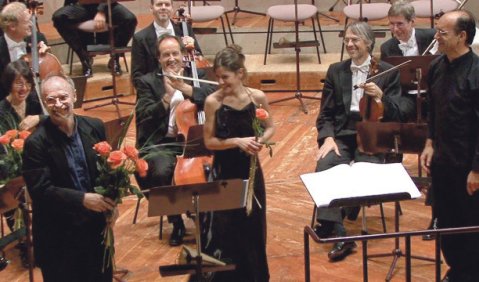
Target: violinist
{"x": 157, "y": 99}
{"x": 16, "y": 23}
{"x": 77, "y": 22}
{"x": 336, "y": 123}
{"x": 144, "y": 41}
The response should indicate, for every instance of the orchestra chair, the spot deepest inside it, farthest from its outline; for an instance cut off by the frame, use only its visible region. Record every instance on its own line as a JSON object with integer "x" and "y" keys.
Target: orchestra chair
{"x": 286, "y": 13}
{"x": 105, "y": 49}
{"x": 363, "y": 12}
{"x": 137, "y": 208}
{"x": 206, "y": 13}
{"x": 432, "y": 8}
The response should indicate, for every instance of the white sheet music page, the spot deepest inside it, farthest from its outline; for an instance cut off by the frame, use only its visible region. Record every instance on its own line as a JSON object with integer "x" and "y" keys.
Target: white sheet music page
{"x": 358, "y": 180}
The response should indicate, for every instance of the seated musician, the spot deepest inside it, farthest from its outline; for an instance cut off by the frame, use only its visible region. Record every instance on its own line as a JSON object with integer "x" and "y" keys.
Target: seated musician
{"x": 158, "y": 98}
{"x": 16, "y": 23}
{"x": 336, "y": 123}
{"x": 77, "y": 22}
{"x": 144, "y": 42}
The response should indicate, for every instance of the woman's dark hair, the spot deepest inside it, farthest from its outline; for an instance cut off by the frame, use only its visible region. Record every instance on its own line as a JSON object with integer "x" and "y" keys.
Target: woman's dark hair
{"x": 18, "y": 67}
{"x": 230, "y": 58}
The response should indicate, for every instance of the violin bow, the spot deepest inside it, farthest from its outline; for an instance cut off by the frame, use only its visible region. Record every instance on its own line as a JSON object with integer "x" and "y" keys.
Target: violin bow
{"x": 187, "y": 78}
{"x": 383, "y": 73}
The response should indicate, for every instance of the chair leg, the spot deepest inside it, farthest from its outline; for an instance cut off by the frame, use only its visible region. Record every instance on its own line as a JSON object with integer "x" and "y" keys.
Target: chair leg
{"x": 229, "y": 28}
{"x": 321, "y": 33}
{"x": 267, "y": 41}
{"x": 224, "y": 30}
{"x": 70, "y": 59}
{"x": 344, "y": 34}
{"x": 316, "y": 40}
{"x": 124, "y": 61}
{"x": 136, "y": 210}
{"x": 161, "y": 228}
{"x": 313, "y": 218}
{"x": 271, "y": 36}
{"x": 383, "y": 219}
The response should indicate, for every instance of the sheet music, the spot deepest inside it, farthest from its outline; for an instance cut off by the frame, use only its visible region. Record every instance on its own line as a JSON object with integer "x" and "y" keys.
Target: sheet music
{"x": 358, "y": 180}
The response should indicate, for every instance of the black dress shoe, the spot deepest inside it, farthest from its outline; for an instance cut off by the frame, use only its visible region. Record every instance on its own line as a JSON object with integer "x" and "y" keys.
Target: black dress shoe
{"x": 115, "y": 64}
{"x": 3, "y": 263}
{"x": 177, "y": 235}
{"x": 87, "y": 72}
{"x": 324, "y": 229}
{"x": 341, "y": 250}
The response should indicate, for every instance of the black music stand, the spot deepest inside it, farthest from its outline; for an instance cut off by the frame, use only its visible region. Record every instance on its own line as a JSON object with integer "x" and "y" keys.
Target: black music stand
{"x": 414, "y": 76}
{"x": 383, "y": 137}
{"x": 237, "y": 10}
{"x": 298, "y": 95}
{"x": 172, "y": 200}
{"x": 113, "y": 51}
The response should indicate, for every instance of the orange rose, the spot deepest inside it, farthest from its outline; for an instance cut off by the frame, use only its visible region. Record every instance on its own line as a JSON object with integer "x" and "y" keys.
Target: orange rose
{"x": 141, "y": 167}
{"x": 12, "y": 133}
{"x": 261, "y": 114}
{"x": 17, "y": 144}
{"x": 24, "y": 134}
{"x": 102, "y": 148}
{"x": 116, "y": 159}
{"x": 131, "y": 152}
{"x": 4, "y": 140}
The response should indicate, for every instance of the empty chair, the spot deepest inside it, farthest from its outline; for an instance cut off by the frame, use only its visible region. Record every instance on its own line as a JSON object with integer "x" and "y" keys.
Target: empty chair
{"x": 208, "y": 13}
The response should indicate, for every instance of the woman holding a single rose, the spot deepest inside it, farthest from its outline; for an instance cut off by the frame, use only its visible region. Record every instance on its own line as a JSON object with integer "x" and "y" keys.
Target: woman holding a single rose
{"x": 235, "y": 236}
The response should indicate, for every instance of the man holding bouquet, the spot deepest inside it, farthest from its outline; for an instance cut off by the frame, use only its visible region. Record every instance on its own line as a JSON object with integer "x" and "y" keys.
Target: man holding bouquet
{"x": 59, "y": 167}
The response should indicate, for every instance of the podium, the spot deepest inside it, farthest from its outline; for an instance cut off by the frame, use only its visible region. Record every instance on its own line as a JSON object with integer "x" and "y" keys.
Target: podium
{"x": 215, "y": 196}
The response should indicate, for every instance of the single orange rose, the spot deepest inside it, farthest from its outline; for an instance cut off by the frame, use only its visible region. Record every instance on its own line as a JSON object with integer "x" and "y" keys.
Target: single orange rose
{"x": 102, "y": 148}
{"x": 261, "y": 114}
{"x": 116, "y": 159}
{"x": 12, "y": 134}
{"x": 131, "y": 152}
{"x": 4, "y": 140}
{"x": 24, "y": 134}
{"x": 17, "y": 144}
{"x": 141, "y": 167}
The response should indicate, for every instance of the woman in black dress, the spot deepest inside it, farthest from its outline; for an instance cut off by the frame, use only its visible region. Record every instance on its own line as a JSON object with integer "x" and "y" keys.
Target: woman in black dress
{"x": 233, "y": 236}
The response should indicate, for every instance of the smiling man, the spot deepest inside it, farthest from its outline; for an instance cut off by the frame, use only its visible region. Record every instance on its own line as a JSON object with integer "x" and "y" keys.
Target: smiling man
{"x": 336, "y": 123}
{"x": 407, "y": 40}
{"x": 158, "y": 98}
{"x": 145, "y": 41}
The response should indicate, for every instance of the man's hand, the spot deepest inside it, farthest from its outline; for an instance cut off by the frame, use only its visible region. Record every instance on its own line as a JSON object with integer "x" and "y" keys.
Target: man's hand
{"x": 472, "y": 182}
{"x": 29, "y": 122}
{"x": 100, "y": 22}
{"x": 328, "y": 146}
{"x": 97, "y": 202}
{"x": 426, "y": 156}
{"x": 372, "y": 90}
{"x": 43, "y": 48}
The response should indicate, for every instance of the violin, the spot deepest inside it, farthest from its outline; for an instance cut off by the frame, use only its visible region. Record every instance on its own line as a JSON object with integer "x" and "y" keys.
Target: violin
{"x": 189, "y": 121}
{"x": 369, "y": 108}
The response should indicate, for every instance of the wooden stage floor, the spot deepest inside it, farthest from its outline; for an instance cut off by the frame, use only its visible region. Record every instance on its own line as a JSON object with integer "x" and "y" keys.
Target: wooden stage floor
{"x": 289, "y": 209}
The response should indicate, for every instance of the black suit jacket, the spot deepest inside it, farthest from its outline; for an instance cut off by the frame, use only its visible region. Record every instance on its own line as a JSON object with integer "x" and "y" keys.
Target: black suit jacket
{"x": 144, "y": 57}
{"x": 9, "y": 119}
{"x": 151, "y": 116}
{"x": 424, "y": 37}
{"x": 60, "y": 221}
{"x": 5, "y": 58}
{"x": 336, "y": 100}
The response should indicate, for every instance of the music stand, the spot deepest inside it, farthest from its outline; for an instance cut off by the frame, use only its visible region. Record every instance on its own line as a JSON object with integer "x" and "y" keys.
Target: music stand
{"x": 298, "y": 95}
{"x": 113, "y": 51}
{"x": 172, "y": 200}
{"x": 413, "y": 76}
{"x": 237, "y": 10}
{"x": 383, "y": 137}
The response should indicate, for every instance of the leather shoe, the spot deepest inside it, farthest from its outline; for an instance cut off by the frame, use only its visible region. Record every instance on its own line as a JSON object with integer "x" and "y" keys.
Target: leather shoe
{"x": 341, "y": 250}
{"x": 177, "y": 235}
{"x": 115, "y": 64}
{"x": 324, "y": 229}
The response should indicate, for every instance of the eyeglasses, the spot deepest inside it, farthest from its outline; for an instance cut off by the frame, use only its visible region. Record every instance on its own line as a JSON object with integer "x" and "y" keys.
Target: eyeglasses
{"x": 51, "y": 100}
{"x": 353, "y": 40}
{"x": 442, "y": 33}
{"x": 20, "y": 85}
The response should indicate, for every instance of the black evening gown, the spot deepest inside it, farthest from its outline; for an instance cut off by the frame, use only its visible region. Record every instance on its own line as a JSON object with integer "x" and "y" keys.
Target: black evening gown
{"x": 231, "y": 235}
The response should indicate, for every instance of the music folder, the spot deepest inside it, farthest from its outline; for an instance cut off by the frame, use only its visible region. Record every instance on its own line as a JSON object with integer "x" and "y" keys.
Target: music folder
{"x": 361, "y": 183}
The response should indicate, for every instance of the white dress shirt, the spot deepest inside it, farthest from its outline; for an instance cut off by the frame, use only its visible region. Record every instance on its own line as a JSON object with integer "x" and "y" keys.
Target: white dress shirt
{"x": 15, "y": 49}
{"x": 161, "y": 30}
{"x": 360, "y": 74}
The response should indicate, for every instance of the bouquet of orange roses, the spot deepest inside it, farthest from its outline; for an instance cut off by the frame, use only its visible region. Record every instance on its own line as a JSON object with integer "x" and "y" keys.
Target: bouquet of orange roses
{"x": 261, "y": 116}
{"x": 11, "y": 159}
{"x": 113, "y": 181}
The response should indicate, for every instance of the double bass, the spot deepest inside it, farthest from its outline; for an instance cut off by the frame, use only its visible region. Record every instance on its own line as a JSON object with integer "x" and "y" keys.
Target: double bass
{"x": 194, "y": 165}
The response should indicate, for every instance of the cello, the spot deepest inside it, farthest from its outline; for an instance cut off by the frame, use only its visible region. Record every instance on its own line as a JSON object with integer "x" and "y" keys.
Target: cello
{"x": 194, "y": 165}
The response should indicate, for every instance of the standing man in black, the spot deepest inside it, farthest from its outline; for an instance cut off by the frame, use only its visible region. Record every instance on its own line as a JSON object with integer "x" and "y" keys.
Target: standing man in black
{"x": 407, "y": 40}
{"x": 59, "y": 167}
{"x": 157, "y": 99}
{"x": 336, "y": 123}
{"x": 143, "y": 52}
{"x": 15, "y": 20}
{"x": 451, "y": 152}
{"x": 76, "y": 23}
